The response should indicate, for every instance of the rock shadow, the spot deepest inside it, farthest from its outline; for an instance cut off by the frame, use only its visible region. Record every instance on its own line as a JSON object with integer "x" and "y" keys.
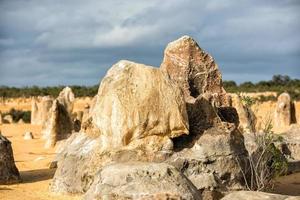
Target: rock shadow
{"x": 37, "y": 175}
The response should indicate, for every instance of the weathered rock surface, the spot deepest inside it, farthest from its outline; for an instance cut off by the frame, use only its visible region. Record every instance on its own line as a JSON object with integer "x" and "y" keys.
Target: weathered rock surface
{"x": 40, "y": 108}
{"x": 252, "y": 195}
{"x": 282, "y": 115}
{"x": 291, "y": 143}
{"x": 1, "y": 120}
{"x": 192, "y": 68}
{"x": 211, "y": 163}
{"x": 8, "y": 171}
{"x": 136, "y": 112}
{"x": 137, "y": 101}
{"x": 138, "y": 180}
{"x": 60, "y": 124}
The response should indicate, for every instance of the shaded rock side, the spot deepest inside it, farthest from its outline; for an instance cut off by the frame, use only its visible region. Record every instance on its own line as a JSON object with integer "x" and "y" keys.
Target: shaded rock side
{"x": 216, "y": 159}
{"x": 253, "y": 195}
{"x": 8, "y": 171}
{"x": 138, "y": 180}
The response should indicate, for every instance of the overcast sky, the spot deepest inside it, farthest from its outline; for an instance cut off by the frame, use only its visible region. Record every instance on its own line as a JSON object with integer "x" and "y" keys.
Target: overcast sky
{"x": 66, "y": 42}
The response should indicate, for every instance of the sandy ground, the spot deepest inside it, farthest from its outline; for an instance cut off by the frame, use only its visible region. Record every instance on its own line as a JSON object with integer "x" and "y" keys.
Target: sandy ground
{"x": 32, "y": 161}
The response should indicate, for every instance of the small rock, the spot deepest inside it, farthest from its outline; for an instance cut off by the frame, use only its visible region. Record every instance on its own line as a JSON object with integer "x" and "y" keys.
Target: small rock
{"x": 28, "y": 135}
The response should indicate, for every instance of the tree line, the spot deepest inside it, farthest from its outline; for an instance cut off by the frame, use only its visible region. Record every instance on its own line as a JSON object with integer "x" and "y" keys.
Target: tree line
{"x": 279, "y": 83}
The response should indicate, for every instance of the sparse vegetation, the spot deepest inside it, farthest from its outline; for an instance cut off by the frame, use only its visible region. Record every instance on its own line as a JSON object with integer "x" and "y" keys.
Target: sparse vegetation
{"x": 279, "y": 84}
{"x": 18, "y": 114}
{"x": 79, "y": 91}
{"x": 266, "y": 162}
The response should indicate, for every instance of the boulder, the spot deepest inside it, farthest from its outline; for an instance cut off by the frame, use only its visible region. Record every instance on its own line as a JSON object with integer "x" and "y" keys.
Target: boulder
{"x": 28, "y": 135}
{"x": 66, "y": 98}
{"x": 253, "y": 195}
{"x": 8, "y": 119}
{"x": 215, "y": 160}
{"x": 282, "y": 115}
{"x": 136, "y": 112}
{"x": 139, "y": 180}
{"x": 21, "y": 121}
{"x": 40, "y": 110}
{"x": 8, "y": 171}
{"x": 136, "y": 101}
{"x": 192, "y": 68}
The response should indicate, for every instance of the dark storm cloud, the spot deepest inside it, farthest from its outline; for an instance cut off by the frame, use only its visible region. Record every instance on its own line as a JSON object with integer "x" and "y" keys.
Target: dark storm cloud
{"x": 75, "y": 42}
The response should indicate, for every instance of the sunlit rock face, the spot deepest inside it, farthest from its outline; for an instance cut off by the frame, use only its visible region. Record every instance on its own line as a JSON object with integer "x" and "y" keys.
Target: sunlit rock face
{"x": 59, "y": 125}
{"x": 137, "y": 110}
{"x": 137, "y": 101}
{"x": 8, "y": 171}
{"x": 283, "y": 112}
{"x": 40, "y": 108}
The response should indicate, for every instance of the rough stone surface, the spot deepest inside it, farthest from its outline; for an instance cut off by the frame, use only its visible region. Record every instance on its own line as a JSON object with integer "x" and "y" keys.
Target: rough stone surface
{"x": 1, "y": 120}
{"x": 138, "y": 180}
{"x": 8, "y": 171}
{"x": 252, "y": 195}
{"x": 28, "y": 135}
{"x": 136, "y": 112}
{"x": 192, "y": 68}
{"x": 40, "y": 108}
{"x": 282, "y": 116}
{"x": 211, "y": 163}
{"x": 291, "y": 145}
{"x": 246, "y": 117}
{"x": 59, "y": 126}
{"x": 136, "y": 101}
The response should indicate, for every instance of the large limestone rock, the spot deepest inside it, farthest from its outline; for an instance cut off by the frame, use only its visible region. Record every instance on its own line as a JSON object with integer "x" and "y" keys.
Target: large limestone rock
{"x": 8, "y": 171}
{"x": 194, "y": 70}
{"x": 138, "y": 180}
{"x": 40, "y": 110}
{"x": 291, "y": 143}
{"x": 253, "y": 195}
{"x": 246, "y": 116}
{"x": 136, "y": 112}
{"x": 211, "y": 150}
{"x": 137, "y": 101}
{"x": 60, "y": 124}
{"x": 282, "y": 115}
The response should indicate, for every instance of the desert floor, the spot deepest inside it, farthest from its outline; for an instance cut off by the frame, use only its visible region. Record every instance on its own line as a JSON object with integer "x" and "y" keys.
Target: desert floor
{"x": 33, "y": 160}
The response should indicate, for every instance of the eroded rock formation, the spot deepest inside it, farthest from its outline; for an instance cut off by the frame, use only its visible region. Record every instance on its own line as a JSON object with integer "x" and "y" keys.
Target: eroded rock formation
{"x": 8, "y": 171}
{"x": 166, "y": 115}
{"x": 283, "y": 114}
{"x": 40, "y": 108}
{"x": 59, "y": 126}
